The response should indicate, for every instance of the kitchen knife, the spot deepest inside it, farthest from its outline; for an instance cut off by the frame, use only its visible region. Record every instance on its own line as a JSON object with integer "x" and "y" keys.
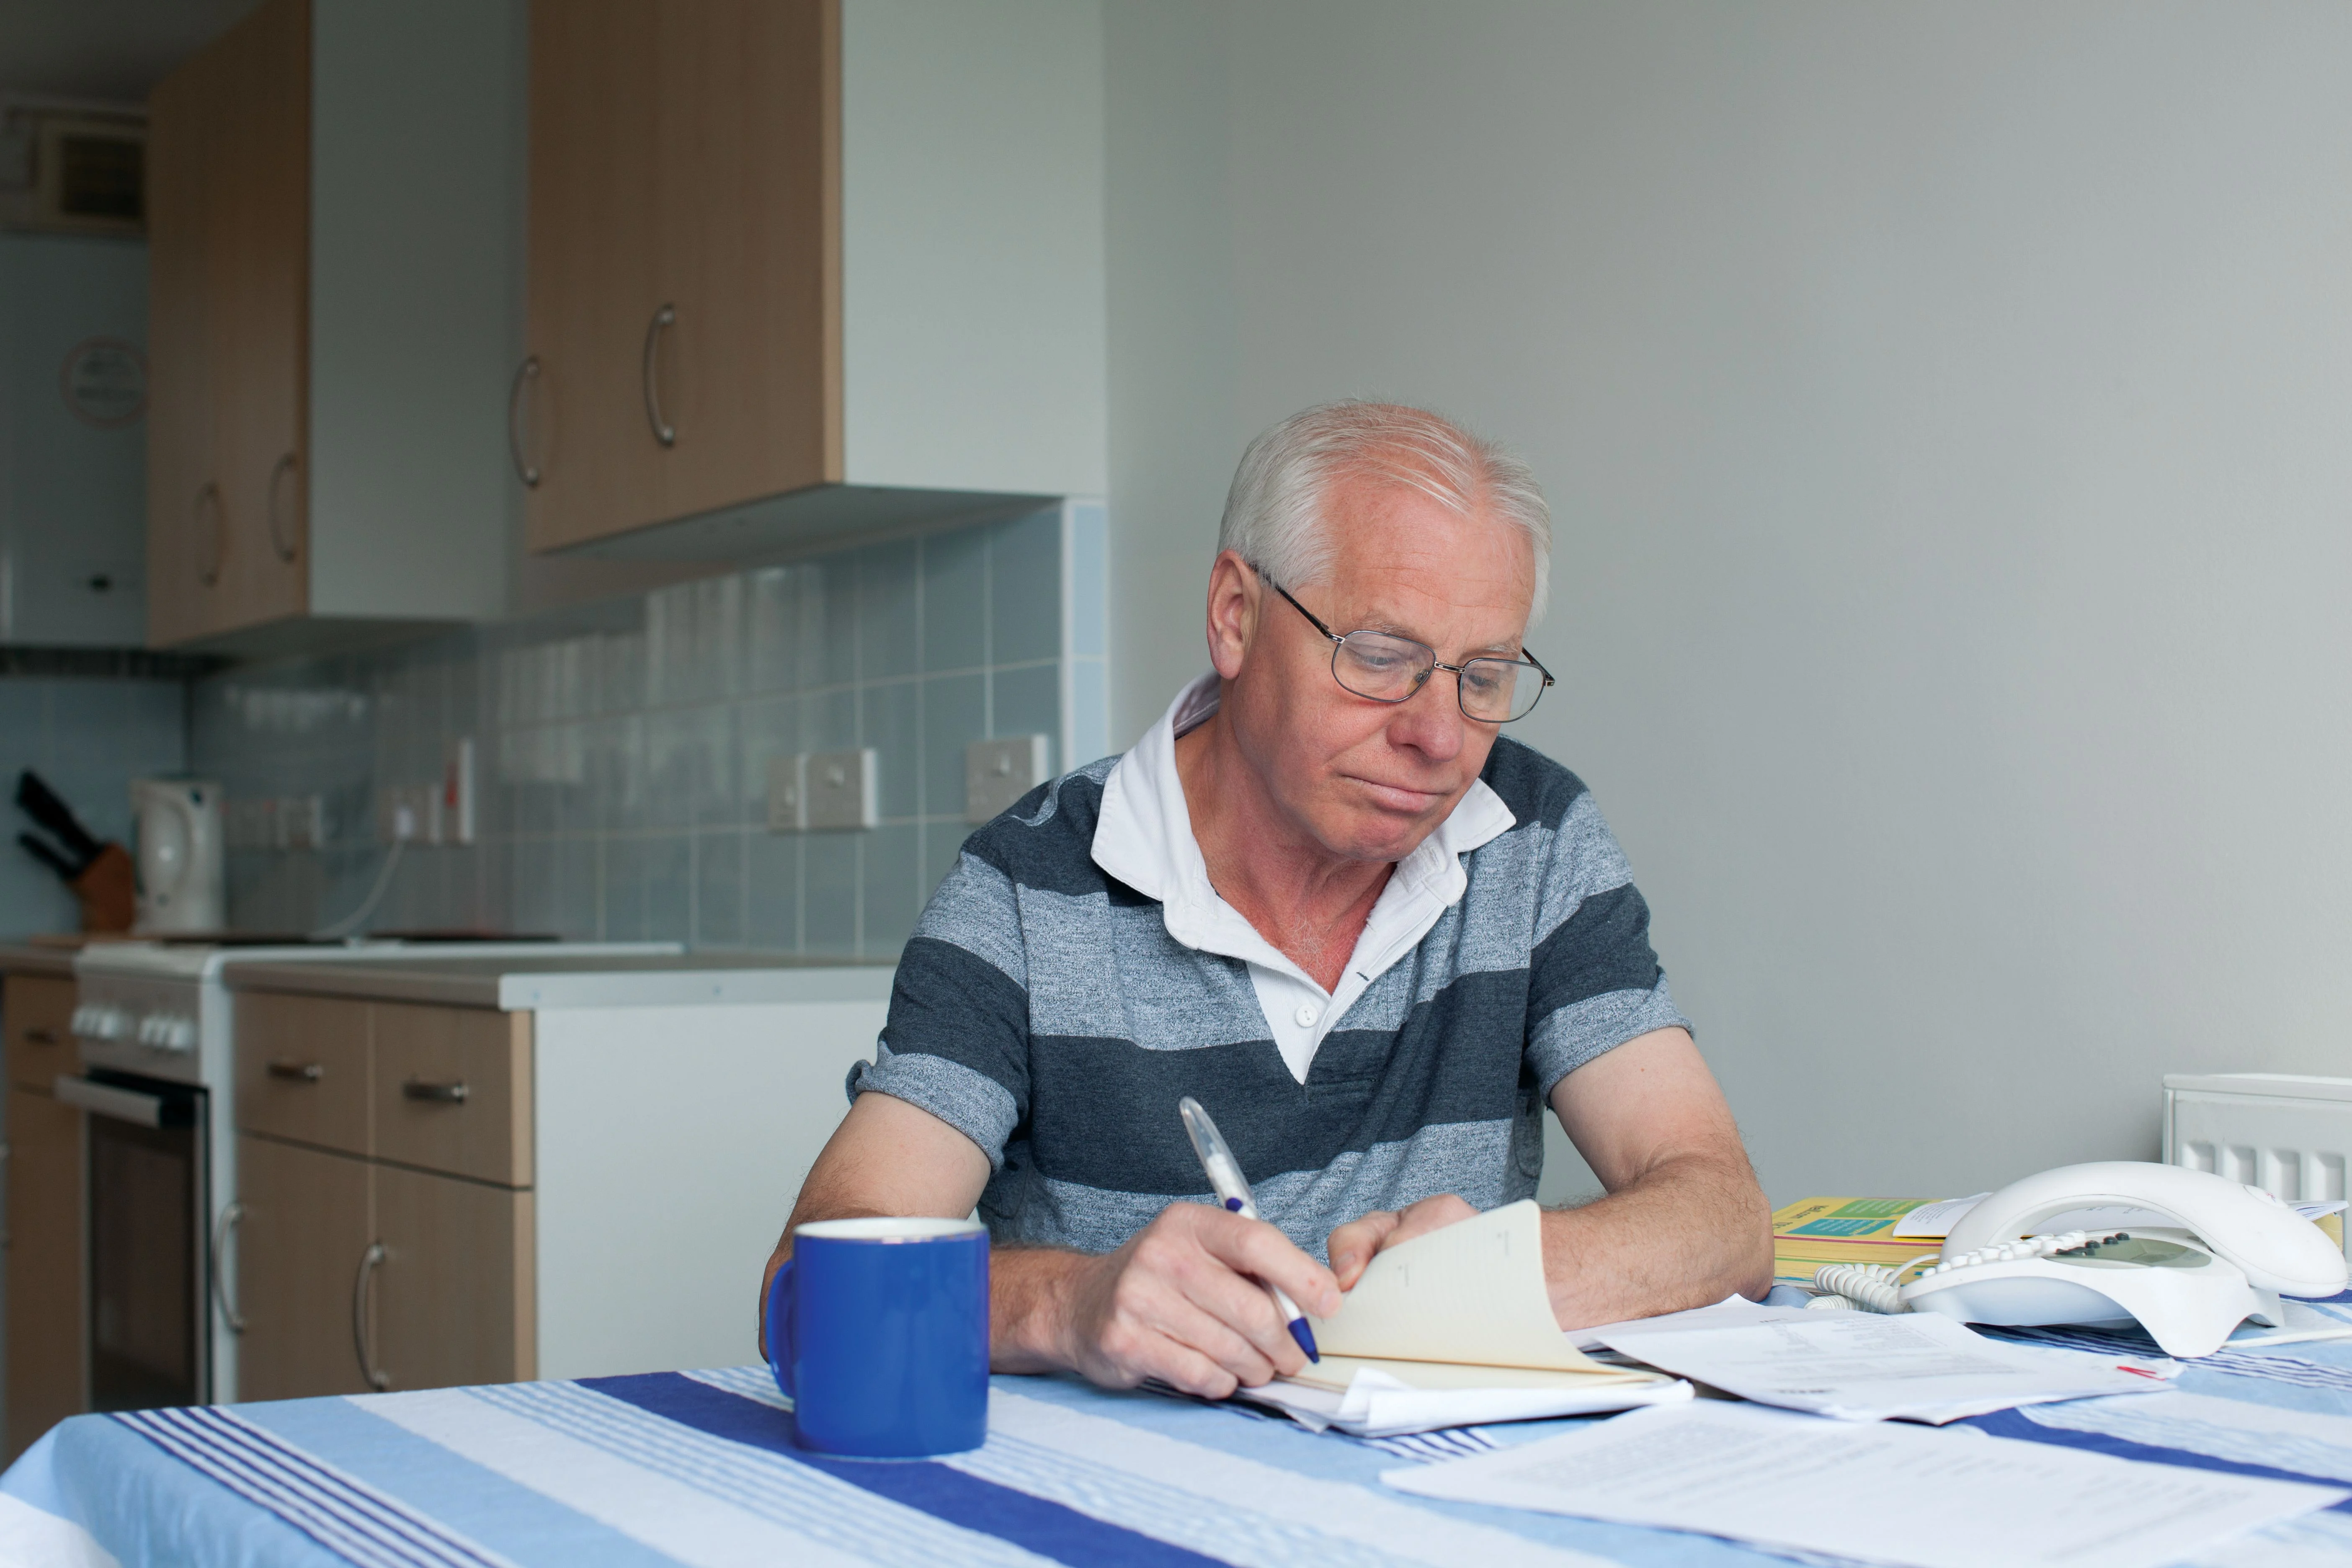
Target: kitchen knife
{"x": 39, "y": 850}
{"x": 40, "y": 803}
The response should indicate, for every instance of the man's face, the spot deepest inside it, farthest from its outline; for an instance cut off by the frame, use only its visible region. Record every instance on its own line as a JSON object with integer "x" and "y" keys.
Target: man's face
{"x": 1370, "y": 780}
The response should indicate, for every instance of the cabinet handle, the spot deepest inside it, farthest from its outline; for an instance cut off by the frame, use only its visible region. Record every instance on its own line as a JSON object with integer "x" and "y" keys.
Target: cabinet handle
{"x": 41, "y": 1037}
{"x": 368, "y": 1369}
{"x": 526, "y": 375}
{"x": 440, "y": 1093}
{"x": 208, "y": 567}
{"x": 664, "y": 432}
{"x": 283, "y": 547}
{"x": 232, "y": 1214}
{"x": 301, "y": 1072}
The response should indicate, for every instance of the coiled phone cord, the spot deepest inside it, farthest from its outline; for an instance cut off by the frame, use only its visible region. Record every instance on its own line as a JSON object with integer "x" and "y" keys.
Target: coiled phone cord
{"x": 1865, "y": 1287}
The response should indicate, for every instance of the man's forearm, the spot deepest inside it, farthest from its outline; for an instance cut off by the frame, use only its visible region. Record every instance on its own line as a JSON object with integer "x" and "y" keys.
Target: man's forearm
{"x": 1686, "y": 1234}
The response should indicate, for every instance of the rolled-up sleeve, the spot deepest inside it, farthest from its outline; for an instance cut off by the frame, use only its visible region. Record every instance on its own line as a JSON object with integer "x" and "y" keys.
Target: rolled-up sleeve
{"x": 956, "y": 1042}
{"x": 1593, "y": 979}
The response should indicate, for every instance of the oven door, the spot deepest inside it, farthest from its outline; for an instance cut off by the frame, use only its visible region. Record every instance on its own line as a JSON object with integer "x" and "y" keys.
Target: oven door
{"x": 148, "y": 1175}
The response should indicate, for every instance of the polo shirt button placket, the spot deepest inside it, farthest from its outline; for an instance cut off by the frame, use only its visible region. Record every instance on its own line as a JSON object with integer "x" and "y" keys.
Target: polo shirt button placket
{"x": 1307, "y": 1015}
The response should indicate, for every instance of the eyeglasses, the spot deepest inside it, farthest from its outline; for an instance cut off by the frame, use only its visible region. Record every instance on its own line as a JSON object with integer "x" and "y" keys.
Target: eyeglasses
{"x": 1386, "y": 667}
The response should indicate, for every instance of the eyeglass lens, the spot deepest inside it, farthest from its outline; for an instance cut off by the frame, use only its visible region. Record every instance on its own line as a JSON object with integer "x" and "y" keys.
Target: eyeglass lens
{"x": 1391, "y": 668}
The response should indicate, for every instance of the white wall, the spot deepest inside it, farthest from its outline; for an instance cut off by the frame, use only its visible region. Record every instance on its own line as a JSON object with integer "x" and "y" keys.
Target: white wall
{"x": 1947, "y": 412}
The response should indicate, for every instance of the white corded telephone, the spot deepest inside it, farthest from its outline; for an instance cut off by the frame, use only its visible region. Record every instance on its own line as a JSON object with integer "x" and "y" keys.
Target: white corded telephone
{"x": 2234, "y": 1252}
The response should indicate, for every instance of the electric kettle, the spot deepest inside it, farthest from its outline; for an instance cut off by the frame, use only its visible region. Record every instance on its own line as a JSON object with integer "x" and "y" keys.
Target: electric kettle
{"x": 178, "y": 823}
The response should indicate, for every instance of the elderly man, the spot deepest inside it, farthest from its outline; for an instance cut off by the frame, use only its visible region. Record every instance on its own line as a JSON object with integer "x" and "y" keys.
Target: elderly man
{"x": 1323, "y": 896}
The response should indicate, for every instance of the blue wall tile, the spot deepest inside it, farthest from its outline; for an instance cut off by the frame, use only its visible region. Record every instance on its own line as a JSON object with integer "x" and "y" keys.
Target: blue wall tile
{"x": 955, "y": 600}
{"x": 894, "y": 896}
{"x": 1024, "y": 588}
{"x": 891, "y": 724}
{"x": 955, "y": 714}
{"x": 887, "y": 638}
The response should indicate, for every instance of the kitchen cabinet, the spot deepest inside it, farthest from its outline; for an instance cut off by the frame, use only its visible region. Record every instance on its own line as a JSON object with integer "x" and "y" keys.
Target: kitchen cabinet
{"x": 47, "y": 1315}
{"x": 497, "y": 1174}
{"x": 798, "y": 267}
{"x": 330, "y": 187}
{"x": 306, "y": 1222}
{"x": 356, "y": 1272}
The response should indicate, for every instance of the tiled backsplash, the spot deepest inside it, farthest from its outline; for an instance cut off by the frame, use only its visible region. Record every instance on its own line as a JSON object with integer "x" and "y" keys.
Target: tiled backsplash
{"x": 621, "y": 750}
{"x": 88, "y": 738}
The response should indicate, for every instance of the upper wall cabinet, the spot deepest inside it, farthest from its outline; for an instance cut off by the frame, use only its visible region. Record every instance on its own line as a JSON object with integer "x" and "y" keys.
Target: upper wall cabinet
{"x": 334, "y": 193}
{"x": 800, "y": 265}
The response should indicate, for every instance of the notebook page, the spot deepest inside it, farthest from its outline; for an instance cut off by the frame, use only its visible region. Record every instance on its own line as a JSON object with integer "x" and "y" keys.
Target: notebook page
{"x": 1472, "y": 1292}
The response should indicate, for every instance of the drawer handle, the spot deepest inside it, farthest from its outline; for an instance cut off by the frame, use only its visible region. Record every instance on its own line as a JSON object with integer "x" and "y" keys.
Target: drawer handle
{"x": 232, "y": 1214}
{"x": 298, "y": 1072}
{"x": 525, "y": 375}
{"x": 41, "y": 1037}
{"x": 374, "y": 1377}
{"x": 663, "y": 431}
{"x": 439, "y": 1093}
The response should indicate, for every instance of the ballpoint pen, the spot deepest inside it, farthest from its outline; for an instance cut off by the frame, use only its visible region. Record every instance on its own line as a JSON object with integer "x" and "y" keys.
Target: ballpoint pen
{"x": 1233, "y": 1191}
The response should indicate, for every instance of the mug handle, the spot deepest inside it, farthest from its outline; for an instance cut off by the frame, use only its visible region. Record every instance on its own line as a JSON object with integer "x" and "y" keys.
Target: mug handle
{"x": 780, "y": 1329}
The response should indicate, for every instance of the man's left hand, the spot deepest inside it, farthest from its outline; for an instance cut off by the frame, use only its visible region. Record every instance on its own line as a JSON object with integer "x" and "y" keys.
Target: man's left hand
{"x": 1355, "y": 1244}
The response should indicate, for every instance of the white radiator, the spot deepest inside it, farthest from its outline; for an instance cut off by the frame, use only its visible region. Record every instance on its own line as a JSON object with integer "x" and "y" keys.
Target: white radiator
{"x": 2287, "y": 1134}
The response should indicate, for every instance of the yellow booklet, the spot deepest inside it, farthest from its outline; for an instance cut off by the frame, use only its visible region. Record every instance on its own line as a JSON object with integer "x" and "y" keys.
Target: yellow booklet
{"x": 1814, "y": 1231}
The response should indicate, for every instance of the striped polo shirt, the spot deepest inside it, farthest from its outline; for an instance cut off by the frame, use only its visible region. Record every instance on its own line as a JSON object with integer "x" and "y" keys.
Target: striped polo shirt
{"x": 1076, "y": 976}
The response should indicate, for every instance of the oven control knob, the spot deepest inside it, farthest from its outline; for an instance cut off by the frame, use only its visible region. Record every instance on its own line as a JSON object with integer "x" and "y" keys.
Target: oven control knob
{"x": 150, "y": 1029}
{"x": 178, "y": 1034}
{"x": 105, "y": 1024}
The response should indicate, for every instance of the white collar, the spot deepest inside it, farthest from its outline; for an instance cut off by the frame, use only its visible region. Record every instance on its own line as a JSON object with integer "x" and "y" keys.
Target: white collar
{"x": 1143, "y": 836}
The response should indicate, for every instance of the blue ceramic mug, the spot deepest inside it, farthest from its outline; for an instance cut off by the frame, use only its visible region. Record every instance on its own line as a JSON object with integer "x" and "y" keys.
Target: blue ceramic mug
{"x": 877, "y": 1333}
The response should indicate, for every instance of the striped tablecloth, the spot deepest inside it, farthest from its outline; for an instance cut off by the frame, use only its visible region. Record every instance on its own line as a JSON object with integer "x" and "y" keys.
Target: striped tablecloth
{"x": 697, "y": 1468}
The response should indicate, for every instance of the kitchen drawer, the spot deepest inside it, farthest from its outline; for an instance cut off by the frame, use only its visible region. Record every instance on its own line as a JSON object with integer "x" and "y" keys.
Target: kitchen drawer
{"x": 38, "y": 1010}
{"x": 453, "y": 1090}
{"x": 302, "y": 1069}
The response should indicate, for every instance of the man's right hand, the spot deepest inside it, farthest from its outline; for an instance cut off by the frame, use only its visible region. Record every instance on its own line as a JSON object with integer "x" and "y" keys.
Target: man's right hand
{"x": 1182, "y": 1301}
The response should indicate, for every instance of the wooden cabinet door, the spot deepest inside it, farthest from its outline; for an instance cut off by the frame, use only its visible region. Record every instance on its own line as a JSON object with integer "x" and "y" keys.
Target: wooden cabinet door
{"x": 299, "y": 1252}
{"x": 38, "y": 1012}
{"x": 185, "y": 542}
{"x": 257, "y": 234}
{"x": 455, "y": 1294}
{"x": 749, "y": 180}
{"x": 593, "y": 287}
{"x": 47, "y": 1313}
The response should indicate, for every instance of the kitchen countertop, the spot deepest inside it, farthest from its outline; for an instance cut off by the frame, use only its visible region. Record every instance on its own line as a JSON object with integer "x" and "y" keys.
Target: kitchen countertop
{"x": 517, "y": 982}
{"x": 32, "y": 958}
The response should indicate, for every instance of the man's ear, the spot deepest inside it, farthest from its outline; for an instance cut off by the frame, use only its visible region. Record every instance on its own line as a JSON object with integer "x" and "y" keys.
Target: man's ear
{"x": 1235, "y": 598}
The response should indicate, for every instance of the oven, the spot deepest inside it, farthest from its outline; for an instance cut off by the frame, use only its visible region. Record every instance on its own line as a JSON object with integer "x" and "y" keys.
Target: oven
{"x": 149, "y": 1199}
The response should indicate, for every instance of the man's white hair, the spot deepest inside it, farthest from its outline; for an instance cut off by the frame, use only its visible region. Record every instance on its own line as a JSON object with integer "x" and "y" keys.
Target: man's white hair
{"x": 1274, "y": 513}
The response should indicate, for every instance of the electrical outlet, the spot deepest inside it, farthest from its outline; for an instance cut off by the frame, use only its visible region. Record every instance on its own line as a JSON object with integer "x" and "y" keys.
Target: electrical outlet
{"x": 784, "y": 802}
{"x": 998, "y": 773}
{"x": 408, "y": 814}
{"x": 838, "y": 789}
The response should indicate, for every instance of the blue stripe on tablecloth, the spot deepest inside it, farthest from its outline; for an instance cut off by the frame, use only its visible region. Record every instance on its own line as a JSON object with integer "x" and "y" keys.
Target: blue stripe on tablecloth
{"x": 1047, "y": 1529}
{"x": 339, "y": 1513}
{"x": 2014, "y": 1424}
{"x": 467, "y": 1496}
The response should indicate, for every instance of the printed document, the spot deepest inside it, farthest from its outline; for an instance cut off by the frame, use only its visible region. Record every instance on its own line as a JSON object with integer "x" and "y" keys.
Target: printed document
{"x": 1901, "y": 1495}
{"x": 1861, "y": 1367}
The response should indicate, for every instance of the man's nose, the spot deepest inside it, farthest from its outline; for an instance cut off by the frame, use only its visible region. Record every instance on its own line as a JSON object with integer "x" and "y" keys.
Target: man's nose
{"x": 1431, "y": 721}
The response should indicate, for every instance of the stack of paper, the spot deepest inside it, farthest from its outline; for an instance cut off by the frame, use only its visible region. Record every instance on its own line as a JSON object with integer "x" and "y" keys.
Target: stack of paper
{"x": 1899, "y": 1495}
{"x": 1455, "y": 1329}
{"x": 1861, "y": 1367}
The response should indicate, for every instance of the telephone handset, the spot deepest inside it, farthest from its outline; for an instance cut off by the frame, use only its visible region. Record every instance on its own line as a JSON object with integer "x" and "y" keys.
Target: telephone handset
{"x": 2236, "y": 1250}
